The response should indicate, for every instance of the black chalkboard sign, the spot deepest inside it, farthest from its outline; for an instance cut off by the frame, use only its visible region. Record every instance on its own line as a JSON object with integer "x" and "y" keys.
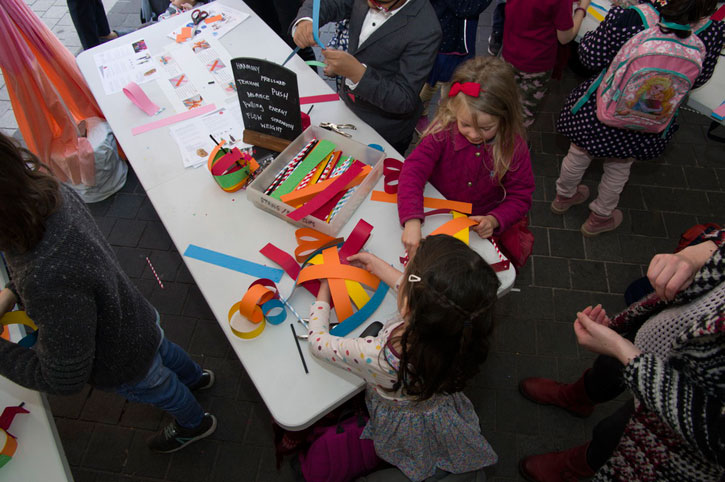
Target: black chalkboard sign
{"x": 268, "y": 97}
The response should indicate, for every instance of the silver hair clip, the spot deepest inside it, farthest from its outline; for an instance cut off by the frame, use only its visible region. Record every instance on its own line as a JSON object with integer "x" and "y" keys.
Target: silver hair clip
{"x": 413, "y": 278}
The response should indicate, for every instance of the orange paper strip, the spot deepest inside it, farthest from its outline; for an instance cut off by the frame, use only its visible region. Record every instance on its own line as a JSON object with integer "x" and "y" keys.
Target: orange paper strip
{"x": 249, "y": 306}
{"x": 428, "y": 202}
{"x": 338, "y": 288}
{"x": 213, "y": 19}
{"x": 299, "y": 197}
{"x": 454, "y": 226}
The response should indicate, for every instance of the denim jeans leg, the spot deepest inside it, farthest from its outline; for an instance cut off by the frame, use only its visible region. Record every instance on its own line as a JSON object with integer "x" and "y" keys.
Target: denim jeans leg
{"x": 177, "y": 360}
{"x": 162, "y": 388}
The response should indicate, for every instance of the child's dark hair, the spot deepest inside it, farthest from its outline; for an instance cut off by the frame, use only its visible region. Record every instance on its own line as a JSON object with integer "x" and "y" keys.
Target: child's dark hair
{"x": 686, "y": 12}
{"x": 27, "y": 197}
{"x": 450, "y": 317}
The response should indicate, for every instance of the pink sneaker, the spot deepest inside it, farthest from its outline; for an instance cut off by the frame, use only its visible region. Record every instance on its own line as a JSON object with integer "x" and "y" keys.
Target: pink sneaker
{"x": 422, "y": 125}
{"x": 561, "y": 204}
{"x": 597, "y": 224}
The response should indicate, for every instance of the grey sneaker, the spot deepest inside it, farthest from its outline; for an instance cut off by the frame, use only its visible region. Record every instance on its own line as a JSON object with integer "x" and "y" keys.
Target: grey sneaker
{"x": 205, "y": 382}
{"x": 173, "y": 437}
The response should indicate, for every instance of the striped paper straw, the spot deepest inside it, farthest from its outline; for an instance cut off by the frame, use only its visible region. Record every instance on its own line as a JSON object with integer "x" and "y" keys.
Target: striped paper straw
{"x": 342, "y": 167}
{"x": 328, "y": 169}
{"x": 280, "y": 177}
{"x": 498, "y": 251}
{"x": 340, "y": 203}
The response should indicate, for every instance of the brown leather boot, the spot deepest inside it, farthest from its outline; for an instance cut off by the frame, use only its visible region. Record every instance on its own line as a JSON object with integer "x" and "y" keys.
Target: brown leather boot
{"x": 567, "y": 466}
{"x": 572, "y": 397}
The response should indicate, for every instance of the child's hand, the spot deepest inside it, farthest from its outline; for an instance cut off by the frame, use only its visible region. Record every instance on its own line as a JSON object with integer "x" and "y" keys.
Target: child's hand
{"x": 411, "y": 236}
{"x": 367, "y": 261}
{"x": 342, "y": 63}
{"x": 486, "y": 225}
{"x": 303, "y": 34}
{"x": 324, "y": 293}
{"x": 598, "y": 315}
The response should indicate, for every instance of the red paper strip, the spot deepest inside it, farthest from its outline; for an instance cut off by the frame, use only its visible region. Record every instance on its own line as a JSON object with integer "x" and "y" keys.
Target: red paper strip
{"x": 322, "y": 198}
{"x": 313, "y": 99}
{"x": 289, "y": 265}
{"x": 357, "y": 239}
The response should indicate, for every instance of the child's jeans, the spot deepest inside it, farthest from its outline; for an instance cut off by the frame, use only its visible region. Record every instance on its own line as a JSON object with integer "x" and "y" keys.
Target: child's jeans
{"x": 616, "y": 175}
{"x": 166, "y": 385}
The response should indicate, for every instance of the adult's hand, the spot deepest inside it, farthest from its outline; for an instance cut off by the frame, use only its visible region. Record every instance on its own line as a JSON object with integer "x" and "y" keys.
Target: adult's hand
{"x": 342, "y": 63}
{"x": 672, "y": 273}
{"x": 411, "y": 236}
{"x": 598, "y": 315}
{"x": 486, "y": 225}
{"x": 303, "y": 34}
{"x": 603, "y": 340}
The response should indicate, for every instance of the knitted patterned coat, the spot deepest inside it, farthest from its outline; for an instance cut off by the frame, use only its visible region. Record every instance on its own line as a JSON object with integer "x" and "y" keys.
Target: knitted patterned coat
{"x": 677, "y": 432}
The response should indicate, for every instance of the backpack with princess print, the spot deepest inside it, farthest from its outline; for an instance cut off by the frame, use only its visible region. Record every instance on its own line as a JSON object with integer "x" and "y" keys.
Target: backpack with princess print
{"x": 650, "y": 76}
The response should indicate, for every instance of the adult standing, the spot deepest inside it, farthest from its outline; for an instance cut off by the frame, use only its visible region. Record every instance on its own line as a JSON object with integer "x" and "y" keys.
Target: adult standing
{"x": 91, "y": 23}
{"x": 391, "y": 50}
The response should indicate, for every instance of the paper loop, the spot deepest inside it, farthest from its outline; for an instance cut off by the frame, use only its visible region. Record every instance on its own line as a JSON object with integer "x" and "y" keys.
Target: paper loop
{"x": 220, "y": 162}
{"x": 139, "y": 98}
{"x": 21, "y": 318}
{"x": 242, "y": 327}
{"x": 310, "y": 240}
{"x": 391, "y": 174}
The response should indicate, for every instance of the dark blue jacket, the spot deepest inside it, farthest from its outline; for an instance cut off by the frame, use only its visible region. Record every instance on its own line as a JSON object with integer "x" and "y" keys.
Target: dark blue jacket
{"x": 459, "y": 21}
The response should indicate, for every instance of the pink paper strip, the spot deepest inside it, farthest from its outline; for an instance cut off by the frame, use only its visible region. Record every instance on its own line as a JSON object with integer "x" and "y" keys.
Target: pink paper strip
{"x": 313, "y": 99}
{"x": 173, "y": 119}
{"x": 318, "y": 201}
{"x": 139, "y": 98}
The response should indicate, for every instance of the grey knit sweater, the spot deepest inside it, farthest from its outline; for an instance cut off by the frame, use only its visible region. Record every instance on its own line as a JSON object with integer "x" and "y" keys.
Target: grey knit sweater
{"x": 94, "y": 326}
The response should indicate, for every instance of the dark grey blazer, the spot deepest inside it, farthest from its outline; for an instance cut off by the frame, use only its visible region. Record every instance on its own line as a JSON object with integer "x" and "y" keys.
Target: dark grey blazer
{"x": 398, "y": 55}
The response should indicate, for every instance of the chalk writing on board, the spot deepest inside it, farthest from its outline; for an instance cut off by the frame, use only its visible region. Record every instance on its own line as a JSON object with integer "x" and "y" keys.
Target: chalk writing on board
{"x": 268, "y": 97}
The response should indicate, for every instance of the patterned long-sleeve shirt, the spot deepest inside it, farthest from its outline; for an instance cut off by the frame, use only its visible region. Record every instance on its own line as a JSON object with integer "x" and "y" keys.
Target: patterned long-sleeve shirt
{"x": 371, "y": 357}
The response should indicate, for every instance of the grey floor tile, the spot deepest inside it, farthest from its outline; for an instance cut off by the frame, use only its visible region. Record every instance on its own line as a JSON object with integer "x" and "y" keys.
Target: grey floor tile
{"x": 108, "y": 448}
{"x": 588, "y": 275}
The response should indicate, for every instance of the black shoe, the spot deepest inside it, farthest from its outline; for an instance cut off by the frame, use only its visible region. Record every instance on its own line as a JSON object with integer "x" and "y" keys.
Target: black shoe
{"x": 494, "y": 43}
{"x": 205, "y": 382}
{"x": 174, "y": 437}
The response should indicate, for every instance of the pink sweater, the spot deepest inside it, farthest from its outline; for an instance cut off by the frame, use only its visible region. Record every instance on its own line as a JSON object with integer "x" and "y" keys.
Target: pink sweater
{"x": 462, "y": 171}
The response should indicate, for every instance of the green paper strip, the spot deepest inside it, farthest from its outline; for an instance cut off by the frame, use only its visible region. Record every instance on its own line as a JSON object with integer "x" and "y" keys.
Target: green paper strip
{"x": 321, "y": 151}
{"x": 4, "y": 459}
{"x": 316, "y": 63}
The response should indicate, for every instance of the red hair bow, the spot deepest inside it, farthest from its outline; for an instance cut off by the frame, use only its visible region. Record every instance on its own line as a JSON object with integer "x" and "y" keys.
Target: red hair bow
{"x": 472, "y": 89}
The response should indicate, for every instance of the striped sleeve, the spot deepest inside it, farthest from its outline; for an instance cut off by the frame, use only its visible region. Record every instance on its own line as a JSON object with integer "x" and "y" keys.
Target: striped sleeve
{"x": 695, "y": 413}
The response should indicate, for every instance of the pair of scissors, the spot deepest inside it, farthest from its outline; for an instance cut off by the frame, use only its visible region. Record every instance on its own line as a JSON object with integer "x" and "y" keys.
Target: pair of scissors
{"x": 198, "y": 16}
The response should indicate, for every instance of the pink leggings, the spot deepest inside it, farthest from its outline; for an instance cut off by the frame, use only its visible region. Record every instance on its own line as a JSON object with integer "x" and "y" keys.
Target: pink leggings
{"x": 616, "y": 174}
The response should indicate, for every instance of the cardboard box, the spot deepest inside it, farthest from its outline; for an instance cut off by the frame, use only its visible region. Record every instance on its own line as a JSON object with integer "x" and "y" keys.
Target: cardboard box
{"x": 361, "y": 152}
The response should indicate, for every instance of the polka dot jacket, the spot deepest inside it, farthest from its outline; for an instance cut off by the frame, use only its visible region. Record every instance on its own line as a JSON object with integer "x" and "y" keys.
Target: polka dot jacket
{"x": 367, "y": 357}
{"x": 596, "y": 51}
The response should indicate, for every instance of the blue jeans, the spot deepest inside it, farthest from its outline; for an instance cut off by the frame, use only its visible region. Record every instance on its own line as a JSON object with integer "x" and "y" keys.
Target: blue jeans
{"x": 166, "y": 385}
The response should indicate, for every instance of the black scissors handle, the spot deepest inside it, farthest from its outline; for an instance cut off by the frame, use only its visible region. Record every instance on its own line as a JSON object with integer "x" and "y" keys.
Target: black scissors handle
{"x": 197, "y": 16}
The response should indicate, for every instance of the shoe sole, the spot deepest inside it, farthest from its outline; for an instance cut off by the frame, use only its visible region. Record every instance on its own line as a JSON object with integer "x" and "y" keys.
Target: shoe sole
{"x": 591, "y": 234}
{"x": 210, "y": 431}
{"x": 212, "y": 379}
{"x": 523, "y": 473}
{"x": 559, "y": 211}
{"x": 531, "y": 399}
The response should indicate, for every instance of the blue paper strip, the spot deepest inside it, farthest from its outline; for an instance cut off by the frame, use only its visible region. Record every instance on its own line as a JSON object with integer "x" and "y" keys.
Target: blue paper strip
{"x": 297, "y": 49}
{"x": 362, "y": 314}
{"x": 316, "y": 22}
{"x": 236, "y": 264}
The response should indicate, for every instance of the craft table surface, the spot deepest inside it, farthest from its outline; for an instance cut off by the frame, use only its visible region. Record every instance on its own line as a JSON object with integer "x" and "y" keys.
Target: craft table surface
{"x": 195, "y": 210}
{"x": 39, "y": 455}
{"x": 704, "y": 99}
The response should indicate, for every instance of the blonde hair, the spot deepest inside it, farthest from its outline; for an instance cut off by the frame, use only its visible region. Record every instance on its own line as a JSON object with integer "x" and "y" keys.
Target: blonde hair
{"x": 667, "y": 93}
{"x": 499, "y": 98}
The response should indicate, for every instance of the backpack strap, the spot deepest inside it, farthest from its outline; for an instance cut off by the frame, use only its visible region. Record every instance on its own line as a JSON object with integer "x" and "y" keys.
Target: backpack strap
{"x": 702, "y": 25}
{"x": 647, "y": 13}
{"x": 592, "y": 88}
